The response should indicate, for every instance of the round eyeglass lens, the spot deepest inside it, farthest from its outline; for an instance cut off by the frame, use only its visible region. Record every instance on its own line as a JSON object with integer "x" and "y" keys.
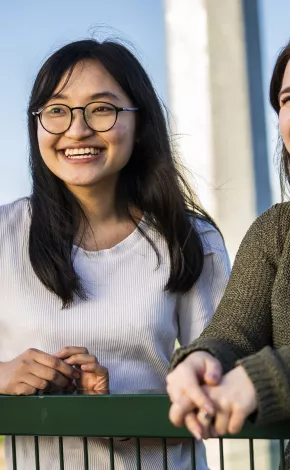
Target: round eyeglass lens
{"x": 56, "y": 118}
{"x": 100, "y": 116}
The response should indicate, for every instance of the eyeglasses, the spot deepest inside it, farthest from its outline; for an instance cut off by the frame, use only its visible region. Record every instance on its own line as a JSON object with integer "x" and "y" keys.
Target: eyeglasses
{"x": 98, "y": 116}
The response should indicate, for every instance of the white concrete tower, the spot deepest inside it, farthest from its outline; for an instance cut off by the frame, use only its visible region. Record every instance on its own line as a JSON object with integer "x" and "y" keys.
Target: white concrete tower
{"x": 209, "y": 100}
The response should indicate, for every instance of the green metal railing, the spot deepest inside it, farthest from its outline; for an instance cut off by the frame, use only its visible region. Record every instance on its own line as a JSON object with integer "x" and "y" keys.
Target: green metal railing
{"x": 114, "y": 416}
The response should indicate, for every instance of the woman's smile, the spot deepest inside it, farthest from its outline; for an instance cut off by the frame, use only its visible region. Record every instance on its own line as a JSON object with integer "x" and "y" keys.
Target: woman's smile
{"x": 84, "y": 154}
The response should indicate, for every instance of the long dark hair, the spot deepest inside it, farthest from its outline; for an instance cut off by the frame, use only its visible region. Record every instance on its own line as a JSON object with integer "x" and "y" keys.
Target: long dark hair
{"x": 150, "y": 181}
{"x": 275, "y": 87}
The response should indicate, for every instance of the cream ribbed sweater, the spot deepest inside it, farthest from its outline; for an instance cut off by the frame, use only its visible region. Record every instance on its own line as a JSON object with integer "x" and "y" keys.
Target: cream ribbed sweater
{"x": 128, "y": 322}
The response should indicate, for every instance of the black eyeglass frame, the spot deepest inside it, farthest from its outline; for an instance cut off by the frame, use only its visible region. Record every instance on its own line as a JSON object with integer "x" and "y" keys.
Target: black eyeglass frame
{"x": 83, "y": 108}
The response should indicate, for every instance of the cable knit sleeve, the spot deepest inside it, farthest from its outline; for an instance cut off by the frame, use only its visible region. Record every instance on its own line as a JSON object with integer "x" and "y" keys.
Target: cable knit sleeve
{"x": 241, "y": 329}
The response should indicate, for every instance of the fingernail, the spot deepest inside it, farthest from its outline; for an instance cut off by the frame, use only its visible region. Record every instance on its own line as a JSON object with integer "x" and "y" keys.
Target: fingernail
{"x": 197, "y": 435}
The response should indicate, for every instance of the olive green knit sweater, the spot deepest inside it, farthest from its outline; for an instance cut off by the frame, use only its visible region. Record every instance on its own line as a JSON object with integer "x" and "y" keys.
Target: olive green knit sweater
{"x": 252, "y": 323}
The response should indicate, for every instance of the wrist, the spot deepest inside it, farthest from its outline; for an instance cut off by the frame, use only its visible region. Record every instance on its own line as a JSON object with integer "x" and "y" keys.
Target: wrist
{"x": 248, "y": 388}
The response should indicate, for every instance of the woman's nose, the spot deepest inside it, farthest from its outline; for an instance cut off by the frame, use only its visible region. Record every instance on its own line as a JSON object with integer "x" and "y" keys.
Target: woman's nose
{"x": 78, "y": 128}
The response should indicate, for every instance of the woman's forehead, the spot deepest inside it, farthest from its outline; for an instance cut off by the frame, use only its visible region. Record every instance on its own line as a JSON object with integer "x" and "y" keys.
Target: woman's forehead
{"x": 286, "y": 76}
{"x": 87, "y": 77}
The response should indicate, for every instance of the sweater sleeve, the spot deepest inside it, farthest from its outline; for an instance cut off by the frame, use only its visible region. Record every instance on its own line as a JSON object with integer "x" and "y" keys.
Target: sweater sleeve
{"x": 242, "y": 324}
{"x": 269, "y": 370}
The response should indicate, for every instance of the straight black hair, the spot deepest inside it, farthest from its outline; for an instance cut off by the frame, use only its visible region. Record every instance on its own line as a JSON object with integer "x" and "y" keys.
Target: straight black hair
{"x": 151, "y": 181}
{"x": 275, "y": 88}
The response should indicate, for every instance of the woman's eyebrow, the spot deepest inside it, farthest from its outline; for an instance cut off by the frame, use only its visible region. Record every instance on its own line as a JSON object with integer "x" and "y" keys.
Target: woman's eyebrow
{"x": 285, "y": 90}
{"x": 95, "y": 96}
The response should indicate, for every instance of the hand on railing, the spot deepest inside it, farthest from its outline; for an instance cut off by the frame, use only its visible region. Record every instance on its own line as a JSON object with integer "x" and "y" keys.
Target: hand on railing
{"x": 34, "y": 370}
{"x": 184, "y": 387}
{"x": 234, "y": 400}
{"x": 93, "y": 376}
{"x": 207, "y": 403}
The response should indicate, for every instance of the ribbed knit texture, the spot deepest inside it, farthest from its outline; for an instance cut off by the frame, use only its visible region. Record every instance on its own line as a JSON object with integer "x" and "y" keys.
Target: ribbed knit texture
{"x": 252, "y": 323}
{"x": 128, "y": 322}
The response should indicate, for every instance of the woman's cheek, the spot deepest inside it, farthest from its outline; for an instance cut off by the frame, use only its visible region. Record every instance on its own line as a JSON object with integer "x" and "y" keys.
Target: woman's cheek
{"x": 118, "y": 134}
{"x": 284, "y": 124}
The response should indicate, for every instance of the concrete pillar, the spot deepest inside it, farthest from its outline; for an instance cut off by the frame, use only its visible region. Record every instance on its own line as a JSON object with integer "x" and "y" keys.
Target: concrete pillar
{"x": 188, "y": 90}
{"x": 231, "y": 126}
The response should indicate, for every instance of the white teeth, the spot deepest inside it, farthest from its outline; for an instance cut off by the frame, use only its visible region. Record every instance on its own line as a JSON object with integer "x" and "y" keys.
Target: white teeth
{"x": 81, "y": 152}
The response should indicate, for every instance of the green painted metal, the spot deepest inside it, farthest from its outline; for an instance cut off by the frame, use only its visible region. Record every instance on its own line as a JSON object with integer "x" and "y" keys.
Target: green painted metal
{"x": 193, "y": 458}
{"x": 61, "y": 457}
{"x": 222, "y": 462}
{"x": 164, "y": 452}
{"x": 108, "y": 415}
{"x": 86, "y": 453}
{"x": 138, "y": 454}
{"x": 282, "y": 454}
{"x": 251, "y": 451}
{"x": 112, "y": 457}
{"x": 36, "y": 449}
{"x": 14, "y": 461}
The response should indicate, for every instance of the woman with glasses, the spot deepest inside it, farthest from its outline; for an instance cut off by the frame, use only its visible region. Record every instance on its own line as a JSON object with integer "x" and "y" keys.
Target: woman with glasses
{"x": 110, "y": 260}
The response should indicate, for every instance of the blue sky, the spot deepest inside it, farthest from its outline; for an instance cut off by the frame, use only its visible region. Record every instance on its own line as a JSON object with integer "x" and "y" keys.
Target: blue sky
{"x": 31, "y": 30}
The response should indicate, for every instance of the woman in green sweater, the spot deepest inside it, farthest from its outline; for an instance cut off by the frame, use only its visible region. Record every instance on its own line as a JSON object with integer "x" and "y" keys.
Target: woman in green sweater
{"x": 241, "y": 363}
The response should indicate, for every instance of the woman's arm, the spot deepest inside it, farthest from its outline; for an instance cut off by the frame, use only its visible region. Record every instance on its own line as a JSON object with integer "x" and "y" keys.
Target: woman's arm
{"x": 242, "y": 324}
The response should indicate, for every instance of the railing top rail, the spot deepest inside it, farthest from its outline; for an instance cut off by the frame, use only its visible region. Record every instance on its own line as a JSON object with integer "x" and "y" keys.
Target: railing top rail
{"x": 107, "y": 415}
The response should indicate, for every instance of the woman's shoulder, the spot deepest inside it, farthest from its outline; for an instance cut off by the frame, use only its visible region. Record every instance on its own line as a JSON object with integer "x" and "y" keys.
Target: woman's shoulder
{"x": 14, "y": 213}
{"x": 268, "y": 233}
{"x": 211, "y": 237}
{"x": 275, "y": 220}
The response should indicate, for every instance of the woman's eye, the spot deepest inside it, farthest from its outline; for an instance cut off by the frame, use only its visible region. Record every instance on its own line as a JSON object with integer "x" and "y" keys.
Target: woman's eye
{"x": 285, "y": 100}
{"x": 56, "y": 111}
{"x": 103, "y": 109}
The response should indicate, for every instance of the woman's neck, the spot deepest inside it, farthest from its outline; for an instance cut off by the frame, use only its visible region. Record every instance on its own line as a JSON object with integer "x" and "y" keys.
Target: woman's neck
{"x": 105, "y": 227}
{"x": 98, "y": 202}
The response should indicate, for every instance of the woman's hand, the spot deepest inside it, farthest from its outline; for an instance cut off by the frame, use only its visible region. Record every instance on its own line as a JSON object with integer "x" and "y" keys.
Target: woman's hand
{"x": 184, "y": 387}
{"x": 34, "y": 370}
{"x": 93, "y": 376}
{"x": 234, "y": 400}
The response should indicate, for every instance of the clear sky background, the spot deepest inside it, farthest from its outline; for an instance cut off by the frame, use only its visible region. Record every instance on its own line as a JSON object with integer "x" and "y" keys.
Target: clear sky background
{"x": 32, "y": 29}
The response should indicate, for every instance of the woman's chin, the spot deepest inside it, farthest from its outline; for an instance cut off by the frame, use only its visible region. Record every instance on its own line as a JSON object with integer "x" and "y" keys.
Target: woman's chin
{"x": 79, "y": 179}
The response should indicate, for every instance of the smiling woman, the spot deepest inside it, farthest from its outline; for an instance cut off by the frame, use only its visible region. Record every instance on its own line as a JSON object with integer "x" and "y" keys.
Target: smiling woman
{"x": 66, "y": 134}
{"x": 110, "y": 260}
{"x": 248, "y": 339}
